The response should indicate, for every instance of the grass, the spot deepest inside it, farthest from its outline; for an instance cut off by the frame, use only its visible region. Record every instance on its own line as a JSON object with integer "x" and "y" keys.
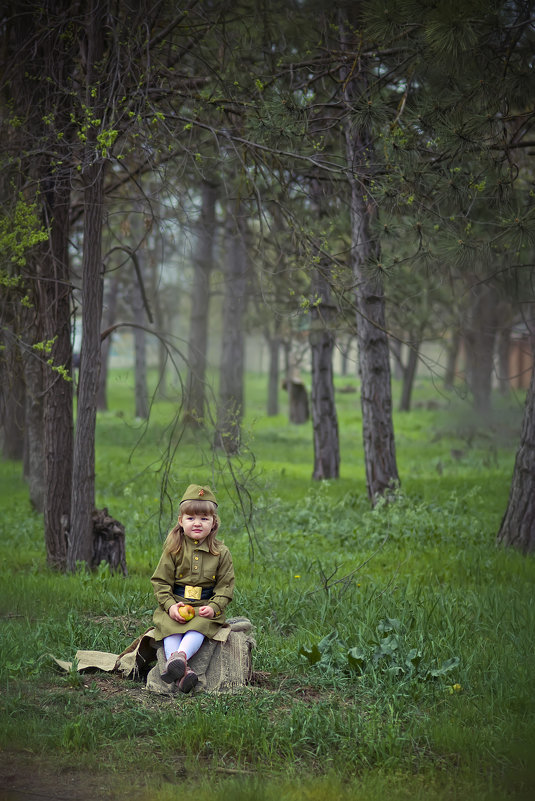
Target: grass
{"x": 394, "y": 646}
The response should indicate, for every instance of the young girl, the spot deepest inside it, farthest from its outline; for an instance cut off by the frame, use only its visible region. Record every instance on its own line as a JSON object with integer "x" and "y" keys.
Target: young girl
{"x": 194, "y": 569}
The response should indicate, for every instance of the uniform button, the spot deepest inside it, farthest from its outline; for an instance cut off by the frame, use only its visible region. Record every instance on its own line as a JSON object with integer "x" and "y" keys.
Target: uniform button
{"x": 196, "y": 557}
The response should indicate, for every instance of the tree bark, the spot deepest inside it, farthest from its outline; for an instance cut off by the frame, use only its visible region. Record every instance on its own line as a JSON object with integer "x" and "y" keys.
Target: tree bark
{"x": 503, "y": 349}
{"x": 374, "y": 362}
{"x": 273, "y": 375}
{"x": 33, "y": 428}
{"x": 409, "y": 374}
{"x": 38, "y": 61}
{"x": 517, "y": 528}
{"x": 111, "y": 313}
{"x": 324, "y": 417}
{"x": 345, "y": 349}
{"x": 203, "y": 263}
{"x": 92, "y": 174}
{"x": 141, "y": 392}
{"x": 12, "y": 402}
{"x": 322, "y": 340}
{"x": 452, "y": 351}
{"x": 160, "y": 324}
{"x": 83, "y": 484}
{"x": 480, "y": 336}
{"x": 231, "y": 397}
{"x": 504, "y": 315}
{"x": 396, "y": 350}
{"x": 55, "y": 315}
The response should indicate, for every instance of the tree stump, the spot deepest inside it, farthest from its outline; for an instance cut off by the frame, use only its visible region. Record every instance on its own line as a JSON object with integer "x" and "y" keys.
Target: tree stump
{"x": 108, "y": 541}
{"x": 221, "y": 666}
{"x": 297, "y": 400}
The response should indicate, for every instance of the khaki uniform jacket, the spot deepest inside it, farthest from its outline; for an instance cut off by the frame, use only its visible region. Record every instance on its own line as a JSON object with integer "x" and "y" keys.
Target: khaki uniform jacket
{"x": 194, "y": 565}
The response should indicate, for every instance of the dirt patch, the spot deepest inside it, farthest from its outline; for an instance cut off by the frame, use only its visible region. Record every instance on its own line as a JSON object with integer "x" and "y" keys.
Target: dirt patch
{"x": 27, "y": 777}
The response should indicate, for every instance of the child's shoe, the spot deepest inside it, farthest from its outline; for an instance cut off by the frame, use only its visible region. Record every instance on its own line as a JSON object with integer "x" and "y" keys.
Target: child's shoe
{"x": 188, "y": 682}
{"x": 175, "y": 667}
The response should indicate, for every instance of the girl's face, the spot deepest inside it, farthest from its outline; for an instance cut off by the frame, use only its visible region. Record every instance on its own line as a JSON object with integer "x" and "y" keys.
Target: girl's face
{"x": 196, "y": 527}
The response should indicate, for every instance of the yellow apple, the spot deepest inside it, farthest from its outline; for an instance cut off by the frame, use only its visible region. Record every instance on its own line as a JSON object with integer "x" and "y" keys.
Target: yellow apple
{"x": 187, "y": 612}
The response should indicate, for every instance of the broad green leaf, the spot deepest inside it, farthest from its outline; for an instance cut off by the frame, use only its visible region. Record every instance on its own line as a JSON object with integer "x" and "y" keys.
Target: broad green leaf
{"x": 448, "y": 665}
{"x": 312, "y": 654}
{"x": 357, "y": 659}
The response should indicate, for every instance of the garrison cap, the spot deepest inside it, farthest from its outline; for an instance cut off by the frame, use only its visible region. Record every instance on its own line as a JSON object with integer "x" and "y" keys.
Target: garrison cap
{"x": 195, "y": 492}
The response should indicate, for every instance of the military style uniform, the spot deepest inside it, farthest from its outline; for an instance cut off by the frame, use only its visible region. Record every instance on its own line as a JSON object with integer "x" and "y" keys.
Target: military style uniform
{"x": 183, "y": 577}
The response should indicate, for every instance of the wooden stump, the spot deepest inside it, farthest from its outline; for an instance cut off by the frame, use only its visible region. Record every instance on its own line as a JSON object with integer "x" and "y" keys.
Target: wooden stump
{"x": 297, "y": 400}
{"x": 108, "y": 541}
{"x": 221, "y": 666}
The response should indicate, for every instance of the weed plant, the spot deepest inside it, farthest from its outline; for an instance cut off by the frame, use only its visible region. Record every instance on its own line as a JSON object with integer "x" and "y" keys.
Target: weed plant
{"x": 394, "y": 645}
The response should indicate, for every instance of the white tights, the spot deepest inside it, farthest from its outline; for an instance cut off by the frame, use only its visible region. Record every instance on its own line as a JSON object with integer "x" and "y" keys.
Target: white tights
{"x": 189, "y": 643}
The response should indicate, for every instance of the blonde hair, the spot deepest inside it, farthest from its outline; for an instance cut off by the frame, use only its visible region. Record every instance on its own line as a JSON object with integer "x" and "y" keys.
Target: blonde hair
{"x": 175, "y": 538}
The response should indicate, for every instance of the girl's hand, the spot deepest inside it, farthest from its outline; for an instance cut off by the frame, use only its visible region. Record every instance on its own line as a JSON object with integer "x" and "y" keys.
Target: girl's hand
{"x": 174, "y": 612}
{"x": 206, "y": 611}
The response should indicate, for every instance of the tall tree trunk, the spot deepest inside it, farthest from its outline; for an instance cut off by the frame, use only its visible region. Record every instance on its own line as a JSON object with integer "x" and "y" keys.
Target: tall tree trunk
{"x": 232, "y": 365}
{"x": 324, "y": 418}
{"x": 504, "y": 315}
{"x": 480, "y": 336}
{"x": 273, "y": 341}
{"x": 105, "y": 348}
{"x": 43, "y": 49}
{"x": 397, "y": 352}
{"x": 83, "y": 483}
{"x": 503, "y": 349}
{"x": 160, "y": 324}
{"x": 452, "y": 353}
{"x": 322, "y": 341}
{"x": 409, "y": 374}
{"x": 141, "y": 392}
{"x": 203, "y": 263}
{"x": 55, "y": 314}
{"x": 374, "y": 362}
{"x": 12, "y": 401}
{"x": 518, "y": 525}
{"x": 33, "y": 428}
{"x": 83, "y": 473}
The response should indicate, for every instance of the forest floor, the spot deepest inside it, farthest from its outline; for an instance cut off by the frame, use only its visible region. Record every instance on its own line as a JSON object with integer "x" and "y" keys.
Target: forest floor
{"x": 394, "y": 654}
{"x": 29, "y": 776}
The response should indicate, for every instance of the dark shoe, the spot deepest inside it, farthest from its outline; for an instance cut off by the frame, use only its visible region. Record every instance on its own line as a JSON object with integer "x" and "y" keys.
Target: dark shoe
{"x": 188, "y": 682}
{"x": 175, "y": 667}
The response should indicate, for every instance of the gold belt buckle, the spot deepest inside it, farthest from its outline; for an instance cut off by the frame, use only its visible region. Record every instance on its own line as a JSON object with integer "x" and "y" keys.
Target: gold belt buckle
{"x": 192, "y": 593}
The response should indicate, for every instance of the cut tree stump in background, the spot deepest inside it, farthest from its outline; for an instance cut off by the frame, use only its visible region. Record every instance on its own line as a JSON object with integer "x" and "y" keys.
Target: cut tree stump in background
{"x": 108, "y": 541}
{"x": 297, "y": 400}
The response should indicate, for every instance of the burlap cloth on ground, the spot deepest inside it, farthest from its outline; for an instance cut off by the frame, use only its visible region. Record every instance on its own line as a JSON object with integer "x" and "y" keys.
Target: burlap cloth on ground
{"x": 223, "y": 664}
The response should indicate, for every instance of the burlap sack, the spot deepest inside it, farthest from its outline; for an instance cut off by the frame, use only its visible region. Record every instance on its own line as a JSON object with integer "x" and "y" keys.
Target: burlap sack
{"x": 223, "y": 665}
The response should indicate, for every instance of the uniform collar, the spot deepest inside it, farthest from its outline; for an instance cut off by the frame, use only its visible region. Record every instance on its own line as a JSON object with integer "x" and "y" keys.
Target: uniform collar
{"x": 201, "y": 546}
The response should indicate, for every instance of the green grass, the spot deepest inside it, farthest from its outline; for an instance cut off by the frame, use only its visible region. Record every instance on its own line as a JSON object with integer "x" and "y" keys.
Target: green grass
{"x": 394, "y": 646}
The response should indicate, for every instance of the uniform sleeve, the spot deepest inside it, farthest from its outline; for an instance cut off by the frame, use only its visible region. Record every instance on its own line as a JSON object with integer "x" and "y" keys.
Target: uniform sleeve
{"x": 163, "y": 581}
{"x": 224, "y": 588}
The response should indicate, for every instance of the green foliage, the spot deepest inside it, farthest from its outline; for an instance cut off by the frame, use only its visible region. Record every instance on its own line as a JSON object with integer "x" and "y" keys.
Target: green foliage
{"x": 387, "y": 652}
{"x": 19, "y": 232}
{"x": 45, "y": 349}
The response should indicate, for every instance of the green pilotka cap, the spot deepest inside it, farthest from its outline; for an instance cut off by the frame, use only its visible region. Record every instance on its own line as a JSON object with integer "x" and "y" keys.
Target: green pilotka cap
{"x": 195, "y": 492}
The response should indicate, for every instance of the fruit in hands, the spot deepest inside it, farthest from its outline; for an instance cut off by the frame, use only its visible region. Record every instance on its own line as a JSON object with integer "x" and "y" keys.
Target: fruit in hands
{"x": 186, "y": 612}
